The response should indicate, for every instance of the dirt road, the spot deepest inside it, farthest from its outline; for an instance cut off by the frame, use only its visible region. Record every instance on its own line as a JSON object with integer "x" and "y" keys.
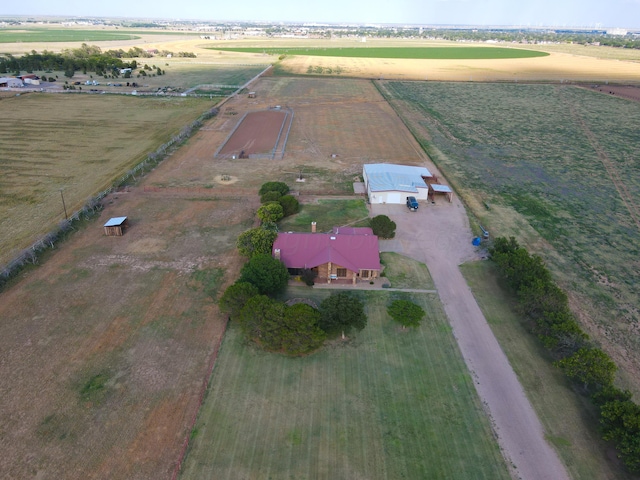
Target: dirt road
{"x": 439, "y": 235}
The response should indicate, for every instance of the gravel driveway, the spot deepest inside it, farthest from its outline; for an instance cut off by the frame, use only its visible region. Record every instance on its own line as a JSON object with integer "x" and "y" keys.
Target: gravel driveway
{"x": 439, "y": 235}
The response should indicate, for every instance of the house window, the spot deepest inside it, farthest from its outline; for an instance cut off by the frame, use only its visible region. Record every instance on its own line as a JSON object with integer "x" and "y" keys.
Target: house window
{"x": 341, "y": 272}
{"x": 364, "y": 273}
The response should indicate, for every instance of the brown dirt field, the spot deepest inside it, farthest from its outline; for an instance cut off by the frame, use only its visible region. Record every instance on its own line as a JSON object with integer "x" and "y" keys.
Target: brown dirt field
{"x": 133, "y": 308}
{"x": 557, "y": 67}
{"x": 321, "y": 111}
{"x": 257, "y": 134}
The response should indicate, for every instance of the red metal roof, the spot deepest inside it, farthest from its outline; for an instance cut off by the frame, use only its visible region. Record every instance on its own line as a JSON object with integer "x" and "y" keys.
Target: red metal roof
{"x": 354, "y": 251}
{"x": 353, "y": 230}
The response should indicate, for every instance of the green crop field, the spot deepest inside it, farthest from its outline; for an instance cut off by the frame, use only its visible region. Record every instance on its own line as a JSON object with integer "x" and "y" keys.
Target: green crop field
{"x": 32, "y": 35}
{"x": 439, "y": 53}
{"x": 387, "y": 403}
{"x": 42, "y": 35}
{"x": 78, "y": 144}
{"x": 555, "y": 166}
{"x": 570, "y": 421}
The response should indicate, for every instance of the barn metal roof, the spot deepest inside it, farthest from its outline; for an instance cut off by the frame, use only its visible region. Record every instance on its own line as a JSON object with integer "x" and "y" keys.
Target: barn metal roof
{"x": 386, "y": 176}
{"x": 115, "y": 222}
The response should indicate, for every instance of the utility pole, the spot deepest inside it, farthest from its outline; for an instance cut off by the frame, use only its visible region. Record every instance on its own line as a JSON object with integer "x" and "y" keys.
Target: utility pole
{"x": 66, "y": 217}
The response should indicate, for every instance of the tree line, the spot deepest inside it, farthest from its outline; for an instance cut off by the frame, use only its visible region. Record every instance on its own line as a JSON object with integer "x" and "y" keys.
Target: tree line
{"x": 592, "y": 370}
{"x": 86, "y": 58}
{"x": 500, "y": 35}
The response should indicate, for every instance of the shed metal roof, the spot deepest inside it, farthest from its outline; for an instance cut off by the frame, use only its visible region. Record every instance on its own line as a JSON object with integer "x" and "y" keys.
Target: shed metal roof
{"x": 440, "y": 188}
{"x": 115, "y": 222}
{"x": 383, "y": 177}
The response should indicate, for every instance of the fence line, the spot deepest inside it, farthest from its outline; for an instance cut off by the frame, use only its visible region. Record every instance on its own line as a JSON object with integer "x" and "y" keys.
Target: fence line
{"x": 275, "y": 147}
{"x": 286, "y": 137}
{"x": 215, "y": 155}
{"x": 203, "y": 391}
{"x": 31, "y": 254}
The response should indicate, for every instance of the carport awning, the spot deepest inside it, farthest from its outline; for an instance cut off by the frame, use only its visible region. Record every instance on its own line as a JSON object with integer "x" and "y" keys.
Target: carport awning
{"x": 440, "y": 188}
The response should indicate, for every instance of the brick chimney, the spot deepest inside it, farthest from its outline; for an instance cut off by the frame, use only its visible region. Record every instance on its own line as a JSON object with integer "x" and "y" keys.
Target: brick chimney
{"x": 313, "y": 227}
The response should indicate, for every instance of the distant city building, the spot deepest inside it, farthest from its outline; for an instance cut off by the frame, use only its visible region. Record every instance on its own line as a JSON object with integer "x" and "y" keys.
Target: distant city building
{"x": 617, "y": 31}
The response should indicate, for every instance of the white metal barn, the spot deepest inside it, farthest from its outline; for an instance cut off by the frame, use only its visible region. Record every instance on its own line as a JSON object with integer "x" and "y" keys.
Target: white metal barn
{"x": 389, "y": 183}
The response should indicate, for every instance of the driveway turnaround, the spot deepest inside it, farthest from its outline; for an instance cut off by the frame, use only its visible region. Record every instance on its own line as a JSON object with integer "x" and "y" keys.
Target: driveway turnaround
{"x": 439, "y": 236}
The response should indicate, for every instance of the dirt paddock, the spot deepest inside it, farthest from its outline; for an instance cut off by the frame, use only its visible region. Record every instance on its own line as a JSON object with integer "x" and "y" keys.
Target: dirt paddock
{"x": 257, "y": 134}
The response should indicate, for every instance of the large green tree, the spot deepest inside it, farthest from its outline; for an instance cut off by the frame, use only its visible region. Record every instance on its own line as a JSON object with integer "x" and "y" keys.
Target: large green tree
{"x": 256, "y": 240}
{"x": 259, "y": 318}
{"x": 383, "y": 226}
{"x": 236, "y": 296}
{"x": 620, "y": 421}
{"x": 340, "y": 313}
{"x": 299, "y": 332}
{"x": 289, "y": 204}
{"x": 270, "y": 196}
{"x": 280, "y": 187}
{"x": 269, "y": 275}
{"x": 270, "y": 212}
{"x": 276, "y": 327}
{"x": 405, "y": 312}
{"x": 591, "y": 367}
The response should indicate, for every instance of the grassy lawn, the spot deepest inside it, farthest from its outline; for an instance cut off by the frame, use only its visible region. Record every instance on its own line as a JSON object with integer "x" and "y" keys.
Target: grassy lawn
{"x": 404, "y": 272}
{"x": 553, "y": 166}
{"x": 439, "y": 53}
{"x": 327, "y": 214}
{"x": 186, "y": 74}
{"x": 386, "y": 404}
{"x": 570, "y": 421}
{"x": 78, "y": 144}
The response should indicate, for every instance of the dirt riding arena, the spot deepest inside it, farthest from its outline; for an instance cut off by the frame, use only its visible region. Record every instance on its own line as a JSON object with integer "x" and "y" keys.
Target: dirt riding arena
{"x": 628, "y": 92}
{"x": 258, "y": 134}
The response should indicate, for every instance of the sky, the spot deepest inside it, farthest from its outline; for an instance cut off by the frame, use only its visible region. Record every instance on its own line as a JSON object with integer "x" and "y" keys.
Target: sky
{"x": 557, "y": 13}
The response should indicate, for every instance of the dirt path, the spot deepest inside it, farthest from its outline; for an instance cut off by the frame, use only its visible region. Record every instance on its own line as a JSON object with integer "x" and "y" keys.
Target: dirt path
{"x": 439, "y": 236}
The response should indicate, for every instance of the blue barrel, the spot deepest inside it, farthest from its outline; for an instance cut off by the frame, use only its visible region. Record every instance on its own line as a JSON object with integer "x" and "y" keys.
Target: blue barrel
{"x": 476, "y": 241}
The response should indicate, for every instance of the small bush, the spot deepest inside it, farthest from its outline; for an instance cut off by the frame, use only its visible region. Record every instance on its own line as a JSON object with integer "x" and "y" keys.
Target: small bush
{"x": 308, "y": 276}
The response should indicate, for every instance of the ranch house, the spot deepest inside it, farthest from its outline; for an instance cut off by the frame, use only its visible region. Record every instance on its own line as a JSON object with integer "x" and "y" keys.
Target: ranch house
{"x": 346, "y": 255}
{"x": 390, "y": 183}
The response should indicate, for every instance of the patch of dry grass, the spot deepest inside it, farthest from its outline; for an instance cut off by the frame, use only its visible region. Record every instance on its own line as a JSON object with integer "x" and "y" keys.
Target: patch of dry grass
{"x": 78, "y": 144}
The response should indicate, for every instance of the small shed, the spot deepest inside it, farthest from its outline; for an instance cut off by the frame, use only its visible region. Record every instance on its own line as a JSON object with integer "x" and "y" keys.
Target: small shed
{"x": 116, "y": 226}
{"x": 442, "y": 189}
{"x": 252, "y": 94}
